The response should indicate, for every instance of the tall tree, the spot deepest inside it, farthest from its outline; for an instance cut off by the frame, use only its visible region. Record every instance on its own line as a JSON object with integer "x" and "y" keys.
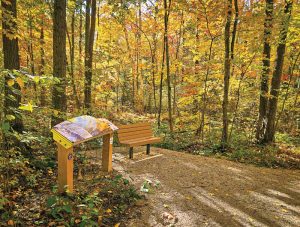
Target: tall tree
{"x": 234, "y": 31}
{"x": 72, "y": 56}
{"x": 264, "y": 86}
{"x": 227, "y": 65}
{"x": 89, "y": 44}
{"x": 43, "y": 62}
{"x": 276, "y": 79}
{"x": 161, "y": 85}
{"x": 166, "y": 42}
{"x": 11, "y": 61}
{"x": 59, "y": 100}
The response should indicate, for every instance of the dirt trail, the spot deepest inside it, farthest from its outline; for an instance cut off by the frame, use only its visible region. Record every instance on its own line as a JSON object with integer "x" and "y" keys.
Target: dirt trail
{"x": 203, "y": 191}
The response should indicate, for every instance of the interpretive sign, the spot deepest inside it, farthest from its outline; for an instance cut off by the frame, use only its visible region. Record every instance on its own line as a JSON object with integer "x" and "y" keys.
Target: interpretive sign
{"x": 75, "y": 131}
{"x": 80, "y": 129}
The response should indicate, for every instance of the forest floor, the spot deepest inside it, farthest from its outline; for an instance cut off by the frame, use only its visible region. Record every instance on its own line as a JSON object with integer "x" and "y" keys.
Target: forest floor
{"x": 192, "y": 190}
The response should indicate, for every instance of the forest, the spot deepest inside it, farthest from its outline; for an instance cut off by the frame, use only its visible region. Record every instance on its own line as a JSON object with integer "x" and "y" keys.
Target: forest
{"x": 217, "y": 79}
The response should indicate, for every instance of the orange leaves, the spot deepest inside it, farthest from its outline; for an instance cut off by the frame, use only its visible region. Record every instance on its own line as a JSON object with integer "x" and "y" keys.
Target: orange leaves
{"x": 10, "y": 222}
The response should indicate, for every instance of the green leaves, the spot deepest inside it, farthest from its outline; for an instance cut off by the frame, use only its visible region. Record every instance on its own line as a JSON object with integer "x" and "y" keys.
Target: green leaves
{"x": 5, "y": 127}
{"x": 51, "y": 201}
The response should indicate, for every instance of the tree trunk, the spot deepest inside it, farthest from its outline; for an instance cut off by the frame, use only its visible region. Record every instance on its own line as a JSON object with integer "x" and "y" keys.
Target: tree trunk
{"x": 166, "y": 20}
{"x": 139, "y": 69}
{"x": 234, "y": 32}
{"x": 72, "y": 59}
{"x": 80, "y": 37}
{"x": 291, "y": 75}
{"x": 89, "y": 34}
{"x": 276, "y": 79}
{"x": 155, "y": 65}
{"x": 227, "y": 64}
{"x": 264, "y": 87}
{"x": 235, "y": 111}
{"x": 176, "y": 75}
{"x": 161, "y": 84}
{"x": 43, "y": 63}
{"x": 59, "y": 100}
{"x": 11, "y": 61}
{"x": 200, "y": 130}
{"x": 131, "y": 61}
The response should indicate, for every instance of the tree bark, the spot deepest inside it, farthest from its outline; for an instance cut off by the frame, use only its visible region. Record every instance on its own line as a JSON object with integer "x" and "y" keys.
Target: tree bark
{"x": 234, "y": 32}
{"x": 227, "y": 64}
{"x": 59, "y": 100}
{"x": 89, "y": 33}
{"x": 43, "y": 63}
{"x": 264, "y": 86}
{"x": 177, "y": 55}
{"x": 11, "y": 62}
{"x": 131, "y": 62}
{"x": 161, "y": 84}
{"x": 72, "y": 59}
{"x": 276, "y": 79}
{"x": 166, "y": 20}
{"x": 80, "y": 37}
{"x": 200, "y": 129}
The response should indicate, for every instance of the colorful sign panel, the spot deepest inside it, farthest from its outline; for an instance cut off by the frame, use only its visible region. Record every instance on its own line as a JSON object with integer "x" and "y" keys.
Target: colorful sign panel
{"x": 83, "y": 128}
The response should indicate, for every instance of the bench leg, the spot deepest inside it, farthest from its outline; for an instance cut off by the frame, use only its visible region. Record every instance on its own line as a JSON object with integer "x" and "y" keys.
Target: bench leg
{"x": 131, "y": 152}
{"x": 148, "y": 149}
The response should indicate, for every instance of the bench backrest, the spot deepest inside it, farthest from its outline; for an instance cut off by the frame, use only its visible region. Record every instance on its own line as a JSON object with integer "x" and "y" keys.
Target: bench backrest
{"x": 134, "y": 131}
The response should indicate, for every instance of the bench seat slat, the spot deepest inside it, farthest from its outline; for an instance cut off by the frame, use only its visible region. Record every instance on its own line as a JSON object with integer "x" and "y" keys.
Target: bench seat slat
{"x": 137, "y": 131}
{"x": 144, "y": 124}
{"x": 138, "y": 136}
{"x": 129, "y": 130}
{"x": 137, "y": 142}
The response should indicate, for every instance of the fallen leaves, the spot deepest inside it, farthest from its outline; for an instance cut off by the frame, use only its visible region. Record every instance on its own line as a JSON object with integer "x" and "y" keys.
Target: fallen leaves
{"x": 11, "y": 82}
{"x": 108, "y": 211}
{"x": 10, "y": 222}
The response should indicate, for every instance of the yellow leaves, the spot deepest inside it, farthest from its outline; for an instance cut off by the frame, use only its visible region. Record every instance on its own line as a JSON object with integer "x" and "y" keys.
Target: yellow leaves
{"x": 108, "y": 211}
{"x": 50, "y": 172}
{"x": 11, "y": 82}
{"x": 27, "y": 107}
{"x": 55, "y": 113}
{"x": 188, "y": 198}
{"x": 36, "y": 79}
{"x": 10, "y": 36}
{"x": 117, "y": 225}
{"x": 100, "y": 220}
{"x": 10, "y": 117}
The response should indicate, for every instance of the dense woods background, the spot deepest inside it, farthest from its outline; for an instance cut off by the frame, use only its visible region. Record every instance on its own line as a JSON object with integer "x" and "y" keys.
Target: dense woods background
{"x": 213, "y": 68}
{"x": 213, "y": 76}
{"x": 219, "y": 72}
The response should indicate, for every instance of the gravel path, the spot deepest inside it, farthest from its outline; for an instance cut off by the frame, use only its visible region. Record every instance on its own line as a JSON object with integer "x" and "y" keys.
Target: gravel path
{"x": 188, "y": 190}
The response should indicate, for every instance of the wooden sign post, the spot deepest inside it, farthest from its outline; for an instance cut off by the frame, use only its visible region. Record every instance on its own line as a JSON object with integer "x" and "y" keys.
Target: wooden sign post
{"x": 107, "y": 153}
{"x": 66, "y": 136}
{"x": 65, "y": 168}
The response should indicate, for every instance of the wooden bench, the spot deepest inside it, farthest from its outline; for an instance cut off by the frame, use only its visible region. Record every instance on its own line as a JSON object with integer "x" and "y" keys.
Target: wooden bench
{"x": 136, "y": 135}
